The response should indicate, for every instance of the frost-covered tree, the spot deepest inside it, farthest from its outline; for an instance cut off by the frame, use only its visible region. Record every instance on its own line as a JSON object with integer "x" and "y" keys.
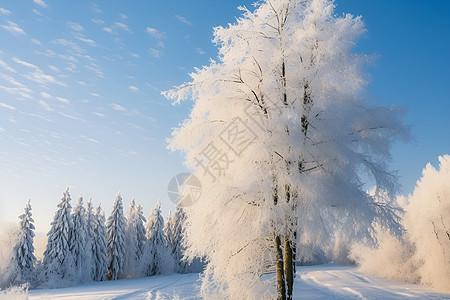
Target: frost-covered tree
{"x": 282, "y": 139}
{"x": 157, "y": 253}
{"x": 91, "y": 223}
{"x": 168, "y": 229}
{"x": 80, "y": 246}
{"x": 22, "y": 265}
{"x": 59, "y": 262}
{"x": 115, "y": 241}
{"x": 134, "y": 240}
{"x": 99, "y": 261}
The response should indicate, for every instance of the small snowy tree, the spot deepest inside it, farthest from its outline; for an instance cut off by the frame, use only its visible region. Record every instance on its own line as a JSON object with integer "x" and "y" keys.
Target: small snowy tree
{"x": 22, "y": 266}
{"x": 58, "y": 258}
{"x": 168, "y": 229}
{"x": 281, "y": 138}
{"x": 115, "y": 230}
{"x": 158, "y": 256}
{"x": 91, "y": 223}
{"x": 134, "y": 240}
{"x": 80, "y": 246}
{"x": 99, "y": 261}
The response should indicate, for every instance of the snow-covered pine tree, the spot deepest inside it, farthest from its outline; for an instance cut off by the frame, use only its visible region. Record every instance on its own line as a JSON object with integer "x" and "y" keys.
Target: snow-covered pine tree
{"x": 131, "y": 259}
{"x": 99, "y": 246}
{"x": 115, "y": 241}
{"x": 281, "y": 137}
{"x": 168, "y": 229}
{"x": 91, "y": 223}
{"x": 177, "y": 241}
{"x": 141, "y": 238}
{"x": 80, "y": 246}
{"x": 158, "y": 255}
{"x": 22, "y": 265}
{"x": 58, "y": 259}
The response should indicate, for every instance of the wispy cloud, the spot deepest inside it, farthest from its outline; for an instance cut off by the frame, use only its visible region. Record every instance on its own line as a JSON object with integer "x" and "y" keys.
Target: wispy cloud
{"x": 5, "y": 11}
{"x": 36, "y": 42}
{"x": 98, "y": 21}
{"x": 135, "y": 55}
{"x": 4, "y": 105}
{"x": 63, "y": 100}
{"x": 90, "y": 42}
{"x": 75, "y": 26}
{"x": 108, "y": 30}
{"x": 42, "y": 78}
{"x": 53, "y": 68}
{"x": 99, "y": 114}
{"x": 40, "y": 3}
{"x": 95, "y": 95}
{"x": 13, "y": 28}
{"x": 89, "y": 139}
{"x": 183, "y": 20}
{"x": 45, "y": 105}
{"x": 123, "y": 16}
{"x": 45, "y": 95}
{"x": 94, "y": 7}
{"x": 24, "y": 63}
{"x": 134, "y": 88}
{"x": 155, "y": 52}
{"x": 155, "y": 32}
{"x": 118, "y": 107}
{"x": 69, "y": 44}
{"x": 18, "y": 91}
{"x": 200, "y": 51}
{"x": 6, "y": 67}
{"x": 94, "y": 68}
{"x": 36, "y": 12}
{"x": 122, "y": 26}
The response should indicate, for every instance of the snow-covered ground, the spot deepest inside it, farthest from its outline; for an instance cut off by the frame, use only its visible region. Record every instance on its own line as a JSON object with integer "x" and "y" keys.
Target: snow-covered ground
{"x": 329, "y": 281}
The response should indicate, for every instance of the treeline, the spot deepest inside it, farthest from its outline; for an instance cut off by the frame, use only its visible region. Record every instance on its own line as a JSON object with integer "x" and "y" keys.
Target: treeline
{"x": 82, "y": 246}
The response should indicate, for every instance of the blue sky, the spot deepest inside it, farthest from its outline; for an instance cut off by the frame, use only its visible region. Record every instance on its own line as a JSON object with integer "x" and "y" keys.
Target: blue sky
{"x": 80, "y": 84}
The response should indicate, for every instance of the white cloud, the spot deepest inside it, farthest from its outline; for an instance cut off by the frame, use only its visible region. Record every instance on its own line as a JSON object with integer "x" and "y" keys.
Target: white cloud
{"x": 63, "y": 100}
{"x": 6, "y": 67}
{"x": 107, "y": 29}
{"x": 122, "y": 26}
{"x": 90, "y": 42}
{"x": 161, "y": 44}
{"x": 99, "y": 114}
{"x": 200, "y": 51}
{"x": 94, "y": 68}
{"x": 135, "y": 55}
{"x": 47, "y": 52}
{"x": 118, "y": 107}
{"x": 53, "y": 68}
{"x": 155, "y": 52}
{"x": 13, "y": 28}
{"x": 155, "y": 32}
{"x": 36, "y": 42}
{"x": 94, "y": 7}
{"x": 69, "y": 44}
{"x": 45, "y": 105}
{"x": 35, "y": 11}
{"x": 2, "y": 129}
{"x": 98, "y": 21}
{"x": 123, "y": 16}
{"x": 133, "y": 88}
{"x": 11, "y": 80}
{"x": 5, "y": 11}
{"x": 21, "y": 91}
{"x": 24, "y": 63}
{"x": 90, "y": 139}
{"x": 183, "y": 20}
{"x": 42, "y": 78}
{"x": 75, "y": 26}
{"x": 7, "y": 106}
{"x": 40, "y": 3}
{"x": 45, "y": 95}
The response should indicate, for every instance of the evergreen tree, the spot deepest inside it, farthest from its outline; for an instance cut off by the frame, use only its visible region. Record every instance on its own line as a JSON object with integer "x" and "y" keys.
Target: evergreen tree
{"x": 80, "y": 247}
{"x": 58, "y": 259}
{"x": 115, "y": 230}
{"x": 91, "y": 223}
{"x": 99, "y": 246}
{"x": 168, "y": 229}
{"x": 22, "y": 266}
{"x": 158, "y": 260}
{"x": 140, "y": 232}
{"x": 177, "y": 241}
{"x": 131, "y": 257}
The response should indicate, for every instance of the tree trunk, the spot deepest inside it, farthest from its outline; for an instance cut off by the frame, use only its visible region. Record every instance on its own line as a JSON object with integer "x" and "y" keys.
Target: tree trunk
{"x": 281, "y": 283}
{"x": 288, "y": 267}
